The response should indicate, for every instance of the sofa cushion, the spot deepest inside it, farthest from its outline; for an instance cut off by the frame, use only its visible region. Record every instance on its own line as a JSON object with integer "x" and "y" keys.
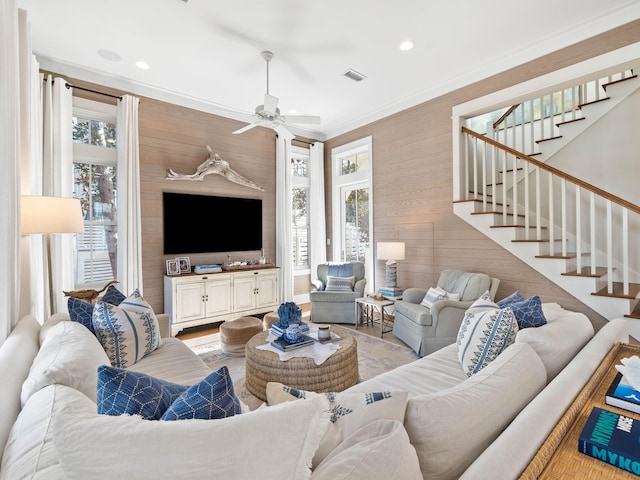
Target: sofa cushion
{"x": 82, "y": 311}
{"x": 415, "y": 312}
{"x": 128, "y": 331}
{"x": 30, "y": 452}
{"x": 121, "y": 391}
{"x": 339, "y": 284}
{"x": 450, "y": 428}
{"x": 211, "y": 398}
{"x": 276, "y": 442}
{"x": 485, "y": 332}
{"x": 379, "y": 449}
{"x": 349, "y": 411}
{"x": 70, "y": 355}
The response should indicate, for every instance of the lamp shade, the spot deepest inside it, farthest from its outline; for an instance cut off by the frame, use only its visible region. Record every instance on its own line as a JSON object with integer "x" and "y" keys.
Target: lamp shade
{"x": 390, "y": 250}
{"x": 50, "y": 215}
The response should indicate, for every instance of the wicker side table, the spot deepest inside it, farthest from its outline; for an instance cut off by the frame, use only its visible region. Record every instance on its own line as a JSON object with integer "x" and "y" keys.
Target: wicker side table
{"x": 337, "y": 373}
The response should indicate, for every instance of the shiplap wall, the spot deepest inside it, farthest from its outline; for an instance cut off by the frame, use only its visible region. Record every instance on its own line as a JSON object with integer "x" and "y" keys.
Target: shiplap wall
{"x": 412, "y": 181}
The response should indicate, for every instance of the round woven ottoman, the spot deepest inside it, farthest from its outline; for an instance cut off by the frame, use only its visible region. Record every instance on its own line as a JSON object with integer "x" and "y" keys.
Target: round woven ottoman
{"x": 269, "y": 319}
{"x": 235, "y": 334}
{"x": 337, "y": 373}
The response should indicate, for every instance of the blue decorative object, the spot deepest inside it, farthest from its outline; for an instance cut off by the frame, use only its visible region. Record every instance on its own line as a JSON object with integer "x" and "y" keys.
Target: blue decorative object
{"x": 293, "y": 334}
{"x": 288, "y": 313}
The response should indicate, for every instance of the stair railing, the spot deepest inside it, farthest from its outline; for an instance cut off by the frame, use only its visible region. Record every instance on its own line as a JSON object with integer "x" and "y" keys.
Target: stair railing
{"x": 597, "y": 222}
{"x": 525, "y": 124}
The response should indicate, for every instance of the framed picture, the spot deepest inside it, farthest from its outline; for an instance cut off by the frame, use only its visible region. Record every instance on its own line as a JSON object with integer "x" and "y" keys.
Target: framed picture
{"x": 173, "y": 267}
{"x": 185, "y": 264}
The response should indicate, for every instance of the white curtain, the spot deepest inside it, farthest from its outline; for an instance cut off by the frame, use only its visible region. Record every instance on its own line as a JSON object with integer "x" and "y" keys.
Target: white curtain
{"x": 317, "y": 228}
{"x": 284, "y": 248}
{"x": 10, "y": 178}
{"x": 129, "y": 211}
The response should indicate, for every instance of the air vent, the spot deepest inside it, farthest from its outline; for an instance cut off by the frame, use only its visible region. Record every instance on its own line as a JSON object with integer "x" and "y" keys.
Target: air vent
{"x": 353, "y": 75}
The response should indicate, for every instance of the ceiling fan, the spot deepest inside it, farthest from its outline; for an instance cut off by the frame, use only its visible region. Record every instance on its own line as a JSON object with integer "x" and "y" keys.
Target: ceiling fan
{"x": 268, "y": 114}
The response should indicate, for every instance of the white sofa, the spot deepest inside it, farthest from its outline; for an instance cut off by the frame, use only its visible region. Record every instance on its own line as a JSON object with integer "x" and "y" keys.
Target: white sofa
{"x": 459, "y": 426}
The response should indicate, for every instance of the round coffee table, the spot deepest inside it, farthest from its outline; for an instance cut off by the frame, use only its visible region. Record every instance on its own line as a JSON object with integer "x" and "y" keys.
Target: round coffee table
{"x": 337, "y": 373}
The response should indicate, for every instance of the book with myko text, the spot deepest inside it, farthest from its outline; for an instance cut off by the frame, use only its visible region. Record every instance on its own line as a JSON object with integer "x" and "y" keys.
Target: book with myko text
{"x": 613, "y": 439}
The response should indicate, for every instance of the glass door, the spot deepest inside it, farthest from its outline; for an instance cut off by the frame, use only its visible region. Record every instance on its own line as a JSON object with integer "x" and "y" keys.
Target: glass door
{"x": 355, "y": 235}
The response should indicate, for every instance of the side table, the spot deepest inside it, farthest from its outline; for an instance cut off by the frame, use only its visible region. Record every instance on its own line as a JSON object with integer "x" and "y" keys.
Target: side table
{"x": 366, "y": 308}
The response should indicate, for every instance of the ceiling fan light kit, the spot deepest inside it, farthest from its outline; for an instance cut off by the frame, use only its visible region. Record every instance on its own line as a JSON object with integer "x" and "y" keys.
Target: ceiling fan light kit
{"x": 268, "y": 114}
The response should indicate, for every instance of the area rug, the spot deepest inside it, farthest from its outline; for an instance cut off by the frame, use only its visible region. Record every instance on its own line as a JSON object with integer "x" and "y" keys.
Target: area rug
{"x": 375, "y": 356}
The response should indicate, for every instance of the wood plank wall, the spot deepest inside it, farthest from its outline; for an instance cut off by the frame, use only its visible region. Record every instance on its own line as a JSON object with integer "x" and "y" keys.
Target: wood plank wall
{"x": 412, "y": 181}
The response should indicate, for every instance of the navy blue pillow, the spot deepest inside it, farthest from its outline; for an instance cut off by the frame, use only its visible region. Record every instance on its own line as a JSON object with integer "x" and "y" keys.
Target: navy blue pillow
{"x": 123, "y": 391}
{"x": 82, "y": 311}
{"x": 513, "y": 298}
{"x": 529, "y": 313}
{"x": 211, "y": 398}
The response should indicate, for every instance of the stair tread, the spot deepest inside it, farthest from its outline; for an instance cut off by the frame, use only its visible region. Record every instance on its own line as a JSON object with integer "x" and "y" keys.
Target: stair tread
{"x": 594, "y": 101}
{"x": 496, "y": 212}
{"x": 559, "y": 256}
{"x": 570, "y": 121}
{"x": 635, "y": 313}
{"x": 605, "y": 85}
{"x": 547, "y": 139}
{"x": 514, "y": 225}
{"x": 586, "y": 272}
{"x": 634, "y": 289}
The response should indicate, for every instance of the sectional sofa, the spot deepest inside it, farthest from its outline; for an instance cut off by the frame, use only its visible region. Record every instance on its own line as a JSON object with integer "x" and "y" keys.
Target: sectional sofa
{"x": 443, "y": 424}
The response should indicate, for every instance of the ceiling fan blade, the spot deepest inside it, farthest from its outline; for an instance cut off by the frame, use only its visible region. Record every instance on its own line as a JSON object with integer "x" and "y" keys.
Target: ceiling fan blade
{"x": 306, "y": 119}
{"x": 247, "y": 127}
{"x": 270, "y": 103}
{"x": 282, "y": 131}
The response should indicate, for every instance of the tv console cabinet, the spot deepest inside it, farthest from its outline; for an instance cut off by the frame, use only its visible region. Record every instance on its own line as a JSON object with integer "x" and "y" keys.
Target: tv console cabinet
{"x": 198, "y": 299}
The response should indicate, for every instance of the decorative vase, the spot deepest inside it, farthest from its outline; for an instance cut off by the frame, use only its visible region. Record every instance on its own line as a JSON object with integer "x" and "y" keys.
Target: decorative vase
{"x": 293, "y": 333}
{"x": 262, "y": 260}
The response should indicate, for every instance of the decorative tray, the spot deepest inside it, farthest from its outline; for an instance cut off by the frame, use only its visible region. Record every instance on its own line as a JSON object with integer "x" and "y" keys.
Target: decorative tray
{"x": 257, "y": 266}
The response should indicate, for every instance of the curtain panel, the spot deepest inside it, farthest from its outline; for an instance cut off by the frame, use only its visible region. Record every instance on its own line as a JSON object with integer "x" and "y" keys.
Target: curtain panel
{"x": 284, "y": 241}
{"x": 317, "y": 227}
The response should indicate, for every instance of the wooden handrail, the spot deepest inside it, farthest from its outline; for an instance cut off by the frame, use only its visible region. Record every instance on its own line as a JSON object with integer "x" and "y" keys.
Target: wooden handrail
{"x": 505, "y": 115}
{"x": 587, "y": 186}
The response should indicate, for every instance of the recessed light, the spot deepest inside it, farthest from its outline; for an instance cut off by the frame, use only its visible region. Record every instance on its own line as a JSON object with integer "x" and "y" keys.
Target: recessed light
{"x": 406, "y": 45}
{"x": 109, "y": 55}
{"x": 142, "y": 65}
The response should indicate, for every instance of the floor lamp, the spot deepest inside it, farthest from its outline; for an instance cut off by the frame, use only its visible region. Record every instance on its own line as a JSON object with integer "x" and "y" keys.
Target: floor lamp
{"x": 391, "y": 252}
{"x": 49, "y": 215}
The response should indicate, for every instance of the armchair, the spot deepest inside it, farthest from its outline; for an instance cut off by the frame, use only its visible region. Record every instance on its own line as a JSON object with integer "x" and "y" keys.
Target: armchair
{"x": 426, "y": 329}
{"x": 336, "y": 306}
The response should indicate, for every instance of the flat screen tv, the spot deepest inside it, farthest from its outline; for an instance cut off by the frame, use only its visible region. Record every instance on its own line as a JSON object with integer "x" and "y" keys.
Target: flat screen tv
{"x": 206, "y": 223}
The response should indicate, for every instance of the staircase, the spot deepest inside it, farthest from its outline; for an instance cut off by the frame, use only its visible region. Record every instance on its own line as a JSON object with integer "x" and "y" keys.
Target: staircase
{"x": 579, "y": 236}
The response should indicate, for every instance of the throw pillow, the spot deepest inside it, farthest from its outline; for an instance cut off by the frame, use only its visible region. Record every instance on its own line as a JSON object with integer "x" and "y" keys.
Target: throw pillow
{"x": 70, "y": 355}
{"x": 349, "y": 411}
{"x": 339, "y": 284}
{"x": 367, "y": 451}
{"x": 453, "y": 296}
{"x": 513, "y": 298}
{"x": 276, "y": 442}
{"x": 82, "y": 311}
{"x": 127, "y": 332}
{"x": 529, "y": 312}
{"x": 211, "y": 398}
{"x": 123, "y": 391}
{"x": 485, "y": 332}
{"x": 433, "y": 295}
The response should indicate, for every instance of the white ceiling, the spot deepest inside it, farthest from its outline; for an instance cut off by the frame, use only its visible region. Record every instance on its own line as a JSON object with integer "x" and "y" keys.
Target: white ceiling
{"x": 205, "y": 54}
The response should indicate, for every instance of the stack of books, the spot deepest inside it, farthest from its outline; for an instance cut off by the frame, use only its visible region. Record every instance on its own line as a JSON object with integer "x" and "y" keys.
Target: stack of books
{"x": 277, "y": 332}
{"x": 282, "y": 344}
{"x": 390, "y": 291}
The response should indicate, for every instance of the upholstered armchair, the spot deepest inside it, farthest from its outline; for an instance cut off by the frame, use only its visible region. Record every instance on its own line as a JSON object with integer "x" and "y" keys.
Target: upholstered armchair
{"x": 427, "y": 329}
{"x": 333, "y": 293}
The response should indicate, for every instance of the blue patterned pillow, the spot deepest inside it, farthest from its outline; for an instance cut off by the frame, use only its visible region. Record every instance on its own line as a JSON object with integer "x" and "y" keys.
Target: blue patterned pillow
{"x": 211, "y": 398}
{"x": 123, "y": 391}
{"x": 513, "y": 298}
{"x": 339, "y": 284}
{"x": 82, "y": 312}
{"x": 529, "y": 312}
{"x": 128, "y": 331}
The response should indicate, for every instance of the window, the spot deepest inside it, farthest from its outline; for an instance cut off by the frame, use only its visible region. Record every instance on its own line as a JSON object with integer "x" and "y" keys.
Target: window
{"x": 352, "y": 201}
{"x": 300, "y": 206}
{"x": 95, "y": 184}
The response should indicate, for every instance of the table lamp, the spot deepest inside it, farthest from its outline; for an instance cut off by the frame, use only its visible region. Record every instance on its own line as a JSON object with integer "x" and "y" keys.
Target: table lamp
{"x": 49, "y": 215}
{"x": 391, "y": 252}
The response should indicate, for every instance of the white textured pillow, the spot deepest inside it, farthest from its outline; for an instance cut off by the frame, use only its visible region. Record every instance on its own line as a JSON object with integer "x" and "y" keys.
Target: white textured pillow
{"x": 434, "y": 294}
{"x": 349, "y": 411}
{"x": 485, "y": 332}
{"x": 70, "y": 355}
{"x": 268, "y": 443}
{"x": 453, "y": 296}
{"x": 340, "y": 284}
{"x": 380, "y": 449}
{"x": 128, "y": 331}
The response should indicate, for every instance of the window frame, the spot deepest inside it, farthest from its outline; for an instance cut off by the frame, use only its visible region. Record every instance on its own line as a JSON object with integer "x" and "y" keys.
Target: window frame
{"x": 299, "y": 182}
